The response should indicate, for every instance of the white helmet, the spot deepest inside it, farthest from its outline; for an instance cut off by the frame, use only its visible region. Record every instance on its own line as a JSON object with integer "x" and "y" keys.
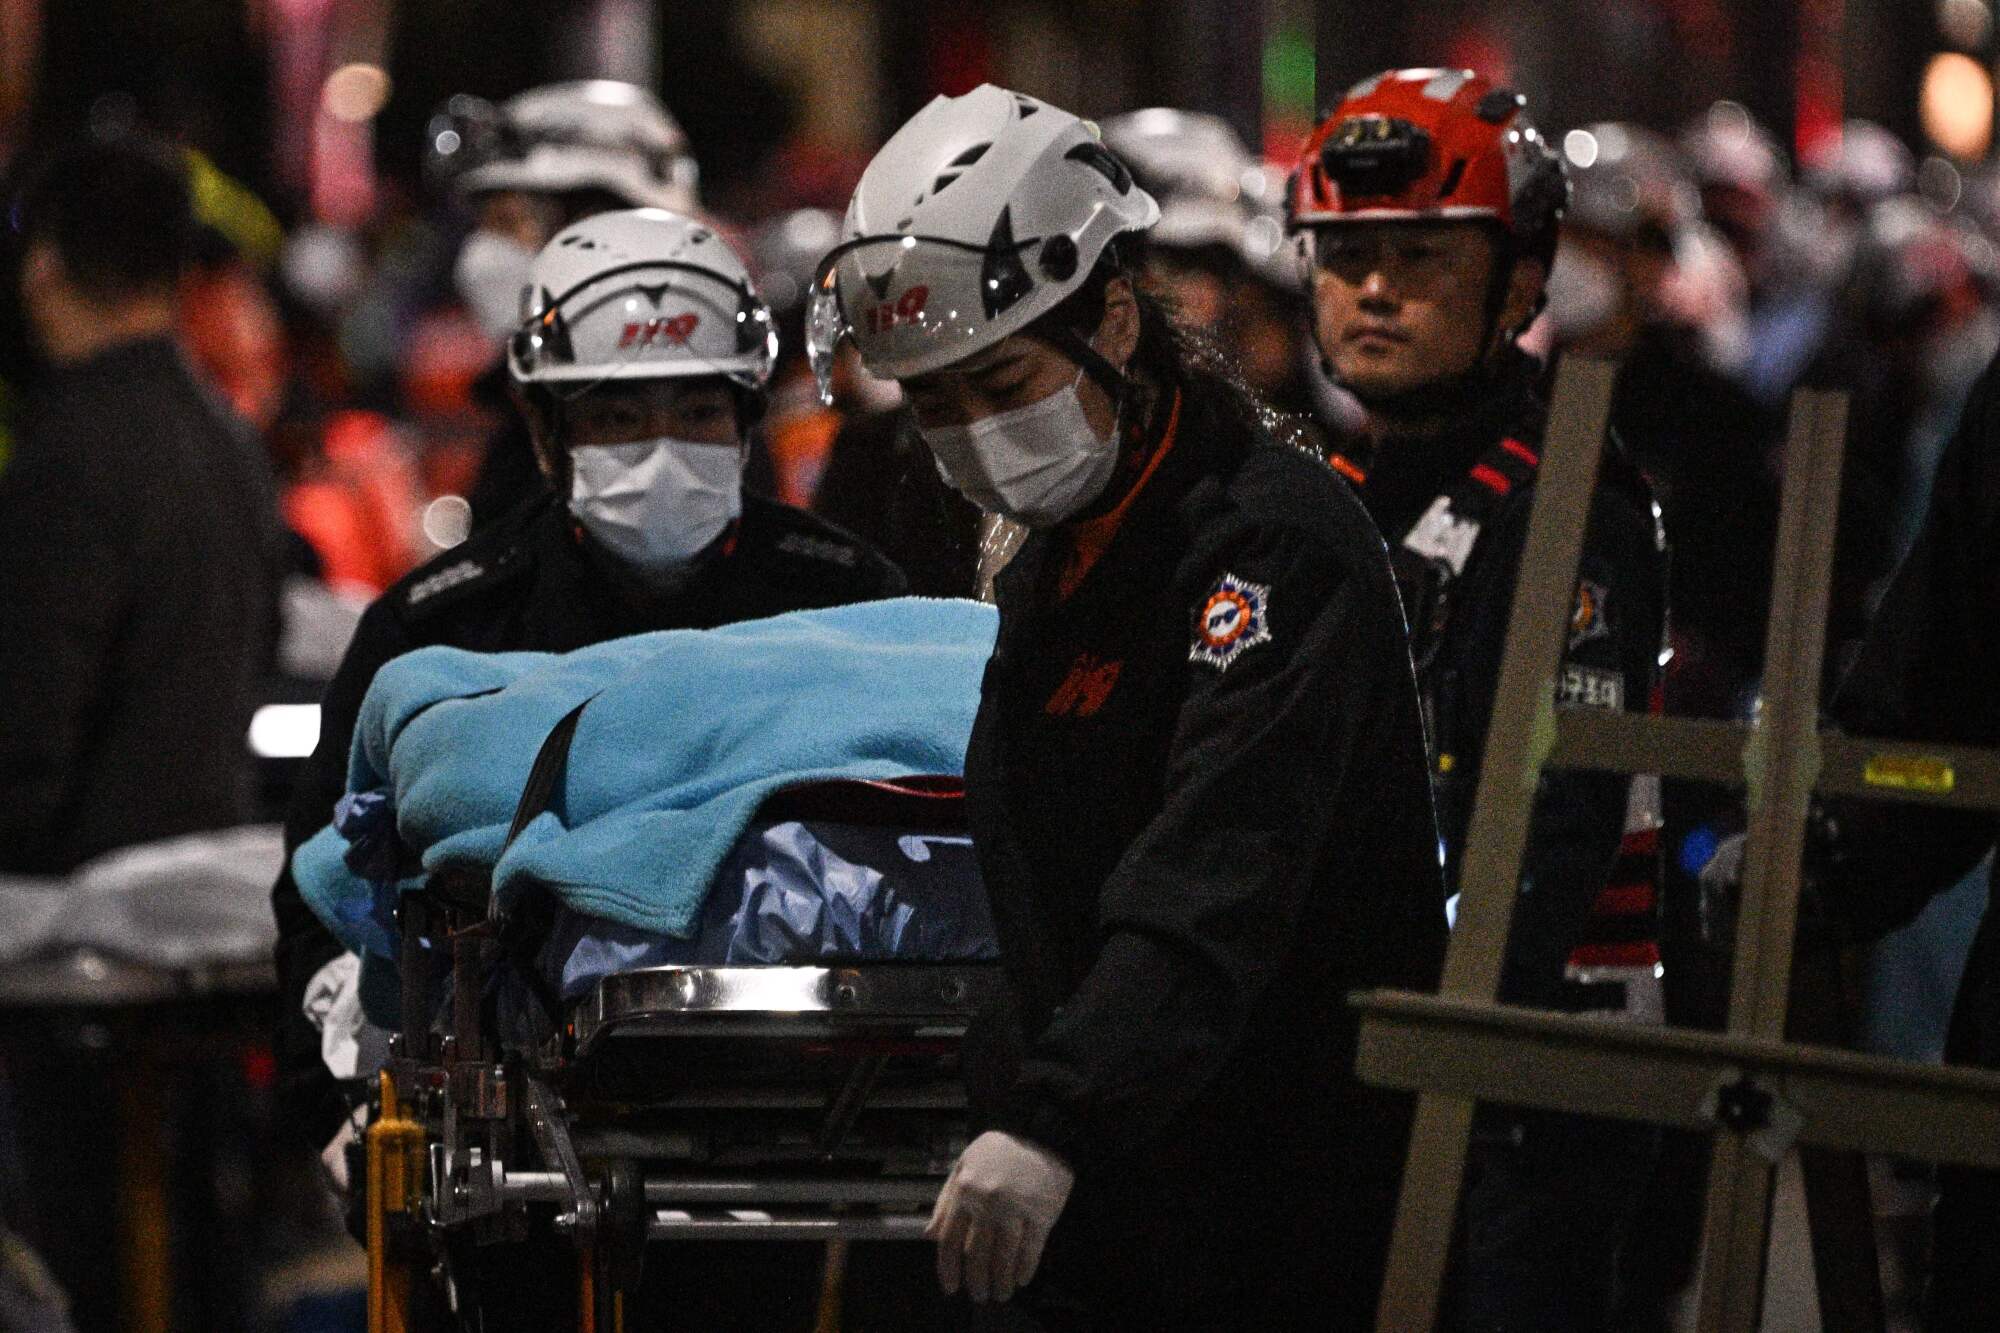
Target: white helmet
{"x": 640, "y": 294}
{"x": 785, "y": 252}
{"x": 1267, "y": 249}
{"x": 590, "y": 134}
{"x": 1195, "y": 164}
{"x": 980, "y": 215}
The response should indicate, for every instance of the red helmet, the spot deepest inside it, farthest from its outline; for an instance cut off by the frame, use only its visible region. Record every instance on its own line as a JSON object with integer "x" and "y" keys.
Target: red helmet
{"x": 1432, "y": 144}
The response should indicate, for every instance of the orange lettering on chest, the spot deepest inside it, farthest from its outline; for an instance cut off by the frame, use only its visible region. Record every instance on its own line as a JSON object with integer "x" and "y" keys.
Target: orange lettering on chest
{"x": 1086, "y": 688}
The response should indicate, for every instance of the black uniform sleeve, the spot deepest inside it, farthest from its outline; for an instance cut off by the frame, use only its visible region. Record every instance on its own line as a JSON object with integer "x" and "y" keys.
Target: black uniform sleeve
{"x": 311, "y": 1101}
{"x": 63, "y": 585}
{"x": 1207, "y": 902}
{"x": 1611, "y": 661}
{"x": 1928, "y": 670}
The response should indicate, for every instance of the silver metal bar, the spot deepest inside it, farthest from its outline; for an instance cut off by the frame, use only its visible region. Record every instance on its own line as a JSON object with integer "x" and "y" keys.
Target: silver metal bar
{"x": 754, "y": 1099}
{"x": 1522, "y": 728}
{"x": 786, "y": 1001}
{"x": 546, "y": 1122}
{"x": 784, "y": 1226}
{"x": 549, "y": 1187}
{"x": 1565, "y": 1062}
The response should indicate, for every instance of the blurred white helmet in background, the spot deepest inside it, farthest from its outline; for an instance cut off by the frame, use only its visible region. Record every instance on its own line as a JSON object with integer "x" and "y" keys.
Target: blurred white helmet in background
{"x": 592, "y": 134}
{"x": 786, "y": 250}
{"x": 1196, "y": 166}
{"x": 640, "y": 294}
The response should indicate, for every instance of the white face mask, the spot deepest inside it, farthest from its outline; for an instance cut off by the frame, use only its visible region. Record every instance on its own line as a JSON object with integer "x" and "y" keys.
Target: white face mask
{"x": 1037, "y": 465}
{"x": 490, "y": 275}
{"x": 656, "y": 504}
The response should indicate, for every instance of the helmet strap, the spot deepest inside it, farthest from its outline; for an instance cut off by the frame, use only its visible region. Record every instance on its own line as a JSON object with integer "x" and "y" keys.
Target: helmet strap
{"x": 554, "y": 420}
{"x": 1077, "y": 348}
{"x": 1506, "y": 257}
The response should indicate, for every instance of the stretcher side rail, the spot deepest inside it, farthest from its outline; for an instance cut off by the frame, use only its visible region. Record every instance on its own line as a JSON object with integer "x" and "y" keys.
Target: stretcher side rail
{"x": 935, "y": 998}
{"x": 817, "y": 1101}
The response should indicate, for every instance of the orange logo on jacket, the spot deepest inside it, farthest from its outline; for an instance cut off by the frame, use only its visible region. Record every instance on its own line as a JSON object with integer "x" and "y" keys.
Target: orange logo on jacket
{"x": 1086, "y": 689}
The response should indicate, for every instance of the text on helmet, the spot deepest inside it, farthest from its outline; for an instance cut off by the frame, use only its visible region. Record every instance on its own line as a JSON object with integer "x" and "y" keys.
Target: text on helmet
{"x": 905, "y": 309}
{"x": 652, "y": 332}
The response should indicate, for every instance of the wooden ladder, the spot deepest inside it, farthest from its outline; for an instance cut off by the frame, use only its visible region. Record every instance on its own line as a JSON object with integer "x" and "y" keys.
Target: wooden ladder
{"x": 1759, "y": 1092}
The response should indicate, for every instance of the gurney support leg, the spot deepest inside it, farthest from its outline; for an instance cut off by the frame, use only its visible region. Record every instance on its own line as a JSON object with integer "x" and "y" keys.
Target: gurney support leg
{"x": 395, "y": 1178}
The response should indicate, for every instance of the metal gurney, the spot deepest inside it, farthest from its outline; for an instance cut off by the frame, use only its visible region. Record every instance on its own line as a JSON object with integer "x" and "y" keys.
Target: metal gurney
{"x": 814, "y": 1099}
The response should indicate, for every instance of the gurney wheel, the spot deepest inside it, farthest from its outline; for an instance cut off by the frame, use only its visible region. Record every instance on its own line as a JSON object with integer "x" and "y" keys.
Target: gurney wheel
{"x": 620, "y": 1252}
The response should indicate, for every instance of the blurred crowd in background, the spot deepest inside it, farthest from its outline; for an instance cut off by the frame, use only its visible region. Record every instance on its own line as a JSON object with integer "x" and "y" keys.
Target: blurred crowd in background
{"x": 336, "y": 300}
{"x": 349, "y": 298}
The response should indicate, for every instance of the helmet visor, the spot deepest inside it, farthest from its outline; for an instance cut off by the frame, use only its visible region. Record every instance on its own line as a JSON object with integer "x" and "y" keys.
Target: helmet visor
{"x": 912, "y": 304}
{"x": 645, "y": 320}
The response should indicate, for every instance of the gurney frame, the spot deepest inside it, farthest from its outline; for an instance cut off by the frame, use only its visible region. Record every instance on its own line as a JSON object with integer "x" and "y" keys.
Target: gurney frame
{"x": 469, "y": 1136}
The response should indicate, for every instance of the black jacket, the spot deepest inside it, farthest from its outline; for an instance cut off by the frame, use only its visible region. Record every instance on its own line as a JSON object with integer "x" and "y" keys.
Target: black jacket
{"x": 1486, "y": 465}
{"x": 526, "y": 582}
{"x": 139, "y": 565}
{"x": 1929, "y": 670}
{"x": 1706, "y": 448}
{"x": 1197, "y": 788}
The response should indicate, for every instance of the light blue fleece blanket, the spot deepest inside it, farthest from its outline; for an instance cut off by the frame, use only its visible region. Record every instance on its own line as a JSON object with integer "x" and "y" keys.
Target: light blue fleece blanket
{"x": 685, "y": 734}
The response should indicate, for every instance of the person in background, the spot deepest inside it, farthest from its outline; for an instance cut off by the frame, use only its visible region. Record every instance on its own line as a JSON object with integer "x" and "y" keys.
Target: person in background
{"x": 1218, "y": 256}
{"x": 1196, "y": 781}
{"x": 790, "y": 457}
{"x": 528, "y": 168}
{"x": 139, "y": 542}
{"x": 140, "y": 558}
{"x": 1635, "y": 280}
{"x": 853, "y": 461}
{"x": 641, "y": 431}
{"x": 1428, "y": 209}
{"x": 879, "y": 479}
{"x": 1197, "y": 169}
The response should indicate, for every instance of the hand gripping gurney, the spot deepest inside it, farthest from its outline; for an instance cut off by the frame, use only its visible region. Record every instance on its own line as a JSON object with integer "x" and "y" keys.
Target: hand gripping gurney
{"x": 817, "y": 1097}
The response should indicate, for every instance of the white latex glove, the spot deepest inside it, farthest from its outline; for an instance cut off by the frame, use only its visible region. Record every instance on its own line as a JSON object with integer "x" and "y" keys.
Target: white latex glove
{"x": 333, "y": 1005}
{"x": 995, "y": 1213}
{"x": 333, "y": 1157}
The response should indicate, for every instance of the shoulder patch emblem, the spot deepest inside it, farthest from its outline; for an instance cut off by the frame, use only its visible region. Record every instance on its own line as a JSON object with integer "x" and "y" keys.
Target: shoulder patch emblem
{"x": 1234, "y": 619}
{"x": 1443, "y": 535}
{"x": 1591, "y": 619}
{"x": 451, "y": 576}
{"x": 819, "y": 548}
